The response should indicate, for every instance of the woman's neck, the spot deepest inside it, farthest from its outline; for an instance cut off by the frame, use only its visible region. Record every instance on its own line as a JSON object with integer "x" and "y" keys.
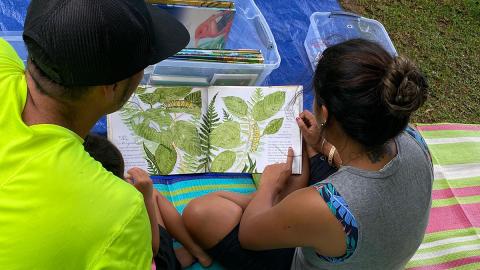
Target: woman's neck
{"x": 354, "y": 154}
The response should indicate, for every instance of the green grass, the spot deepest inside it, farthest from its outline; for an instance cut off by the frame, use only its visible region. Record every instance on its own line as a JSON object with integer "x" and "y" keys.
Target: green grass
{"x": 443, "y": 38}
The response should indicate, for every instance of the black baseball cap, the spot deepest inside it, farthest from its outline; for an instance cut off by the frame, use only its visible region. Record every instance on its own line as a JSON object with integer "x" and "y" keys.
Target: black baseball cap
{"x": 99, "y": 42}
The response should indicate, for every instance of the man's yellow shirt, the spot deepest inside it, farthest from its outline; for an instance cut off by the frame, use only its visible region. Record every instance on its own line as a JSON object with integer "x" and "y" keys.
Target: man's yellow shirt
{"x": 59, "y": 208}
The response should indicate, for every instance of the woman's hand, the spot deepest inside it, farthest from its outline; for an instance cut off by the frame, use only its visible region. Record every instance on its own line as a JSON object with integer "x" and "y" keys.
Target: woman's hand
{"x": 275, "y": 176}
{"x": 141, "y": 181}
{"x": 311, "y": 132}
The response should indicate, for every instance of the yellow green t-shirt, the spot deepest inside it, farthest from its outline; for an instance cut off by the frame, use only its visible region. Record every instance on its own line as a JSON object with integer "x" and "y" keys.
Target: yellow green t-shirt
{"x": 59, "y": 208}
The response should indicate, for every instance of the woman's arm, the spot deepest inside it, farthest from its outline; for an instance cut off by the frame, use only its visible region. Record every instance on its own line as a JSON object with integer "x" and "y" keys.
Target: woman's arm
{"x": 312, "y": 134}
{"x": 301, "y": 219}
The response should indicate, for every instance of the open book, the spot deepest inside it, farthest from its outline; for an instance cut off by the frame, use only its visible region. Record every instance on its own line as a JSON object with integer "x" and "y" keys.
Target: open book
{"x": 184, "y": 130}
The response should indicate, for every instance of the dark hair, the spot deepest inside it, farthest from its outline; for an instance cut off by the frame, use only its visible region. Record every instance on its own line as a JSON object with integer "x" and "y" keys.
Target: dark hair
{"x": 52, "y": 89}
{"x": 367, "y": 91}
{"x": 46, "y": 85}
{"x": 103, "y": 151}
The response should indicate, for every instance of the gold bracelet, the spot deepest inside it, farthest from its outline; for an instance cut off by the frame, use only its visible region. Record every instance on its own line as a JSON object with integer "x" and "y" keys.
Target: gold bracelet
{"x": 331, "y": 154}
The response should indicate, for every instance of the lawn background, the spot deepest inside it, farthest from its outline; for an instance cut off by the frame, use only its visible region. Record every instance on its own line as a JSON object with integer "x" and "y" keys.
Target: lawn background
{"x": 443, "y": 37}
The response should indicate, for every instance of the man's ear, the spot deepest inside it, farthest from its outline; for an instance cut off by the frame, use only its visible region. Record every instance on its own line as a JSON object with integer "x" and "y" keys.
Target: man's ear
{"x": 109, "y": 91}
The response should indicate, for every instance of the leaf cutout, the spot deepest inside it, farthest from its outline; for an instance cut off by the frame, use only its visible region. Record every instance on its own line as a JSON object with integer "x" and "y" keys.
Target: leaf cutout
{"x": 166, "y": 158}
{"x": 159, "y": 116}
{"x": 236, "y": 106}
{"x": 268, "y": 106}
{"x": 226, "y": 116}
{"x": 256, "y": 179}
{"x": 196, "y": 111}
{"x": 165, "y": 137}
{"x": 257, "y": 96}
{"x": 195, "y": 98}
{"x": 144, "y": 130}
{"x": 273, "y": 127}
{"x": 148, "y": 98}
{"x": 223, "y": 162}
{"x": 141, "y": 90}
{"x": 152, "y": 163}
{"x": 189, "y": 164}
{"x": 186, "y": 137}
{"x": 226, "y": 135}
{"x": 164, "y": 94}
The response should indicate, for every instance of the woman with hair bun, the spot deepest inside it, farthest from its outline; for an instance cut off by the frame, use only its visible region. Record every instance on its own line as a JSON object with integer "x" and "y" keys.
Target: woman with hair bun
{"x": 370, "y": 214}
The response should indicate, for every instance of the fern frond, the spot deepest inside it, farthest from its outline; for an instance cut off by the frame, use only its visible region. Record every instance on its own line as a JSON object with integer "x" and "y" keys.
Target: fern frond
{"x": 257, "y": 96}
{"x": 227, "y": 116}
{"x": 152, "y": 162}
{"x": 251, "y": 166}
{"x": 189, "y": 164}
{"x": 195, "y": 98}
{"x": 209, "y": 122}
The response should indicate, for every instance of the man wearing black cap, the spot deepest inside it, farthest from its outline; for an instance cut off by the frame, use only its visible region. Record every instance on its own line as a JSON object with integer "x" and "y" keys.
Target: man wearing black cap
{"x": 59, "y": 209}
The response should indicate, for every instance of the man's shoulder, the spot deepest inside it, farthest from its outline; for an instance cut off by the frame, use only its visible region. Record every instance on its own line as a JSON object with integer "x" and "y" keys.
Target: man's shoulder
{"x": 63, "y": 190}
{"x": 9, "y": 59}
{"x": 68, "y": 165}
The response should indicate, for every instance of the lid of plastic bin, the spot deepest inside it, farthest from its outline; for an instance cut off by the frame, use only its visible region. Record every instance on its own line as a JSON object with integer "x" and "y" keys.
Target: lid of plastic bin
{"x": 331, "y": 28}
{"x": 16, "y": 40}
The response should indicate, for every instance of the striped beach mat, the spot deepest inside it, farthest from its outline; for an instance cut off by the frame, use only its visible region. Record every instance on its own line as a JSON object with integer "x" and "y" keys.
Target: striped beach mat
{"x": 452, "y": 240}
{"x": 182, "y": 189}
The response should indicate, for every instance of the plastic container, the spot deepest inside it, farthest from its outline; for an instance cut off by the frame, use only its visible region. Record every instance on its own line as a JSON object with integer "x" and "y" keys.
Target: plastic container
{"x": 16, "y": 40}
{"x": 330, "y": 28}
{"x": 249, "y": 31}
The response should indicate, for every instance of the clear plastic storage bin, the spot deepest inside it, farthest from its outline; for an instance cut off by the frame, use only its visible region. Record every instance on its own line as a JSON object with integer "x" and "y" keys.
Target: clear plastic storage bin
{"x": 249, "y": 31}
{"x": 15, "y": 39}
{"x": 330, "y": 28}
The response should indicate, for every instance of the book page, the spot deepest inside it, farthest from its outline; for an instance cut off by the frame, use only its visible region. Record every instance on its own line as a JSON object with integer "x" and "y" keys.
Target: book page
{"x": 255, "y": 127}
{"x": 159, "y": 130}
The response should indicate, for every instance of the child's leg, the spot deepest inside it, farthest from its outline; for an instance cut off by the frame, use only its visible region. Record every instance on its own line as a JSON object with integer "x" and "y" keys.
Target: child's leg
{"x": 185, "y": 258}
{"x": 175, "y": 226}
{"x": 157, "y": 209}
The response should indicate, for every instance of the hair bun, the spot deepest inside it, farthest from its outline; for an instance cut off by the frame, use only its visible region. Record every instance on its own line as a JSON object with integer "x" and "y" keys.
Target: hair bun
{"x": 405, "y": 89}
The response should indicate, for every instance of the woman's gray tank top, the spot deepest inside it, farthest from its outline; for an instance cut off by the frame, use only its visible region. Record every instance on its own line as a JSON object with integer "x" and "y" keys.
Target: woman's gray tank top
{"x": 391, "y": 207}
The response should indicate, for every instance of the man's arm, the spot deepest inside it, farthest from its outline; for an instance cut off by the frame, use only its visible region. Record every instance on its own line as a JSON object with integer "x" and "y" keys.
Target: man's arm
{"x": 142, "y": 182}
{"x": 131, "y": 247}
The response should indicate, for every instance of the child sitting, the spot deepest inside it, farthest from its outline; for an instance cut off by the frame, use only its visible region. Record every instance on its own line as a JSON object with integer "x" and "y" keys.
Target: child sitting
{"x": 163, "y": 216}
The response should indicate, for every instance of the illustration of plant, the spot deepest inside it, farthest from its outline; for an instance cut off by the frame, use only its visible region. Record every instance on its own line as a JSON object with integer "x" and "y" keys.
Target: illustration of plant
{"x": 210, "y": 121}
{"x": 176, "y": 136}
{"x": 169, "y": 140}
{"x": 244, "y": 125}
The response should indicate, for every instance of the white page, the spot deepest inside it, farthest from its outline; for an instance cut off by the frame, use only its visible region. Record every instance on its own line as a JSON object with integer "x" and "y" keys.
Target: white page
{"x": 253, "y": 142}
{"x": 126, "y": 141}
{"x": 173, "y": 158}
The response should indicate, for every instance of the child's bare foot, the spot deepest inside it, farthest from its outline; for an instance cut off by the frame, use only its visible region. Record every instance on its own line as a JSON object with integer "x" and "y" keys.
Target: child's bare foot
{"x": 184, "y": 257}
{"x": 202, "y": 257}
